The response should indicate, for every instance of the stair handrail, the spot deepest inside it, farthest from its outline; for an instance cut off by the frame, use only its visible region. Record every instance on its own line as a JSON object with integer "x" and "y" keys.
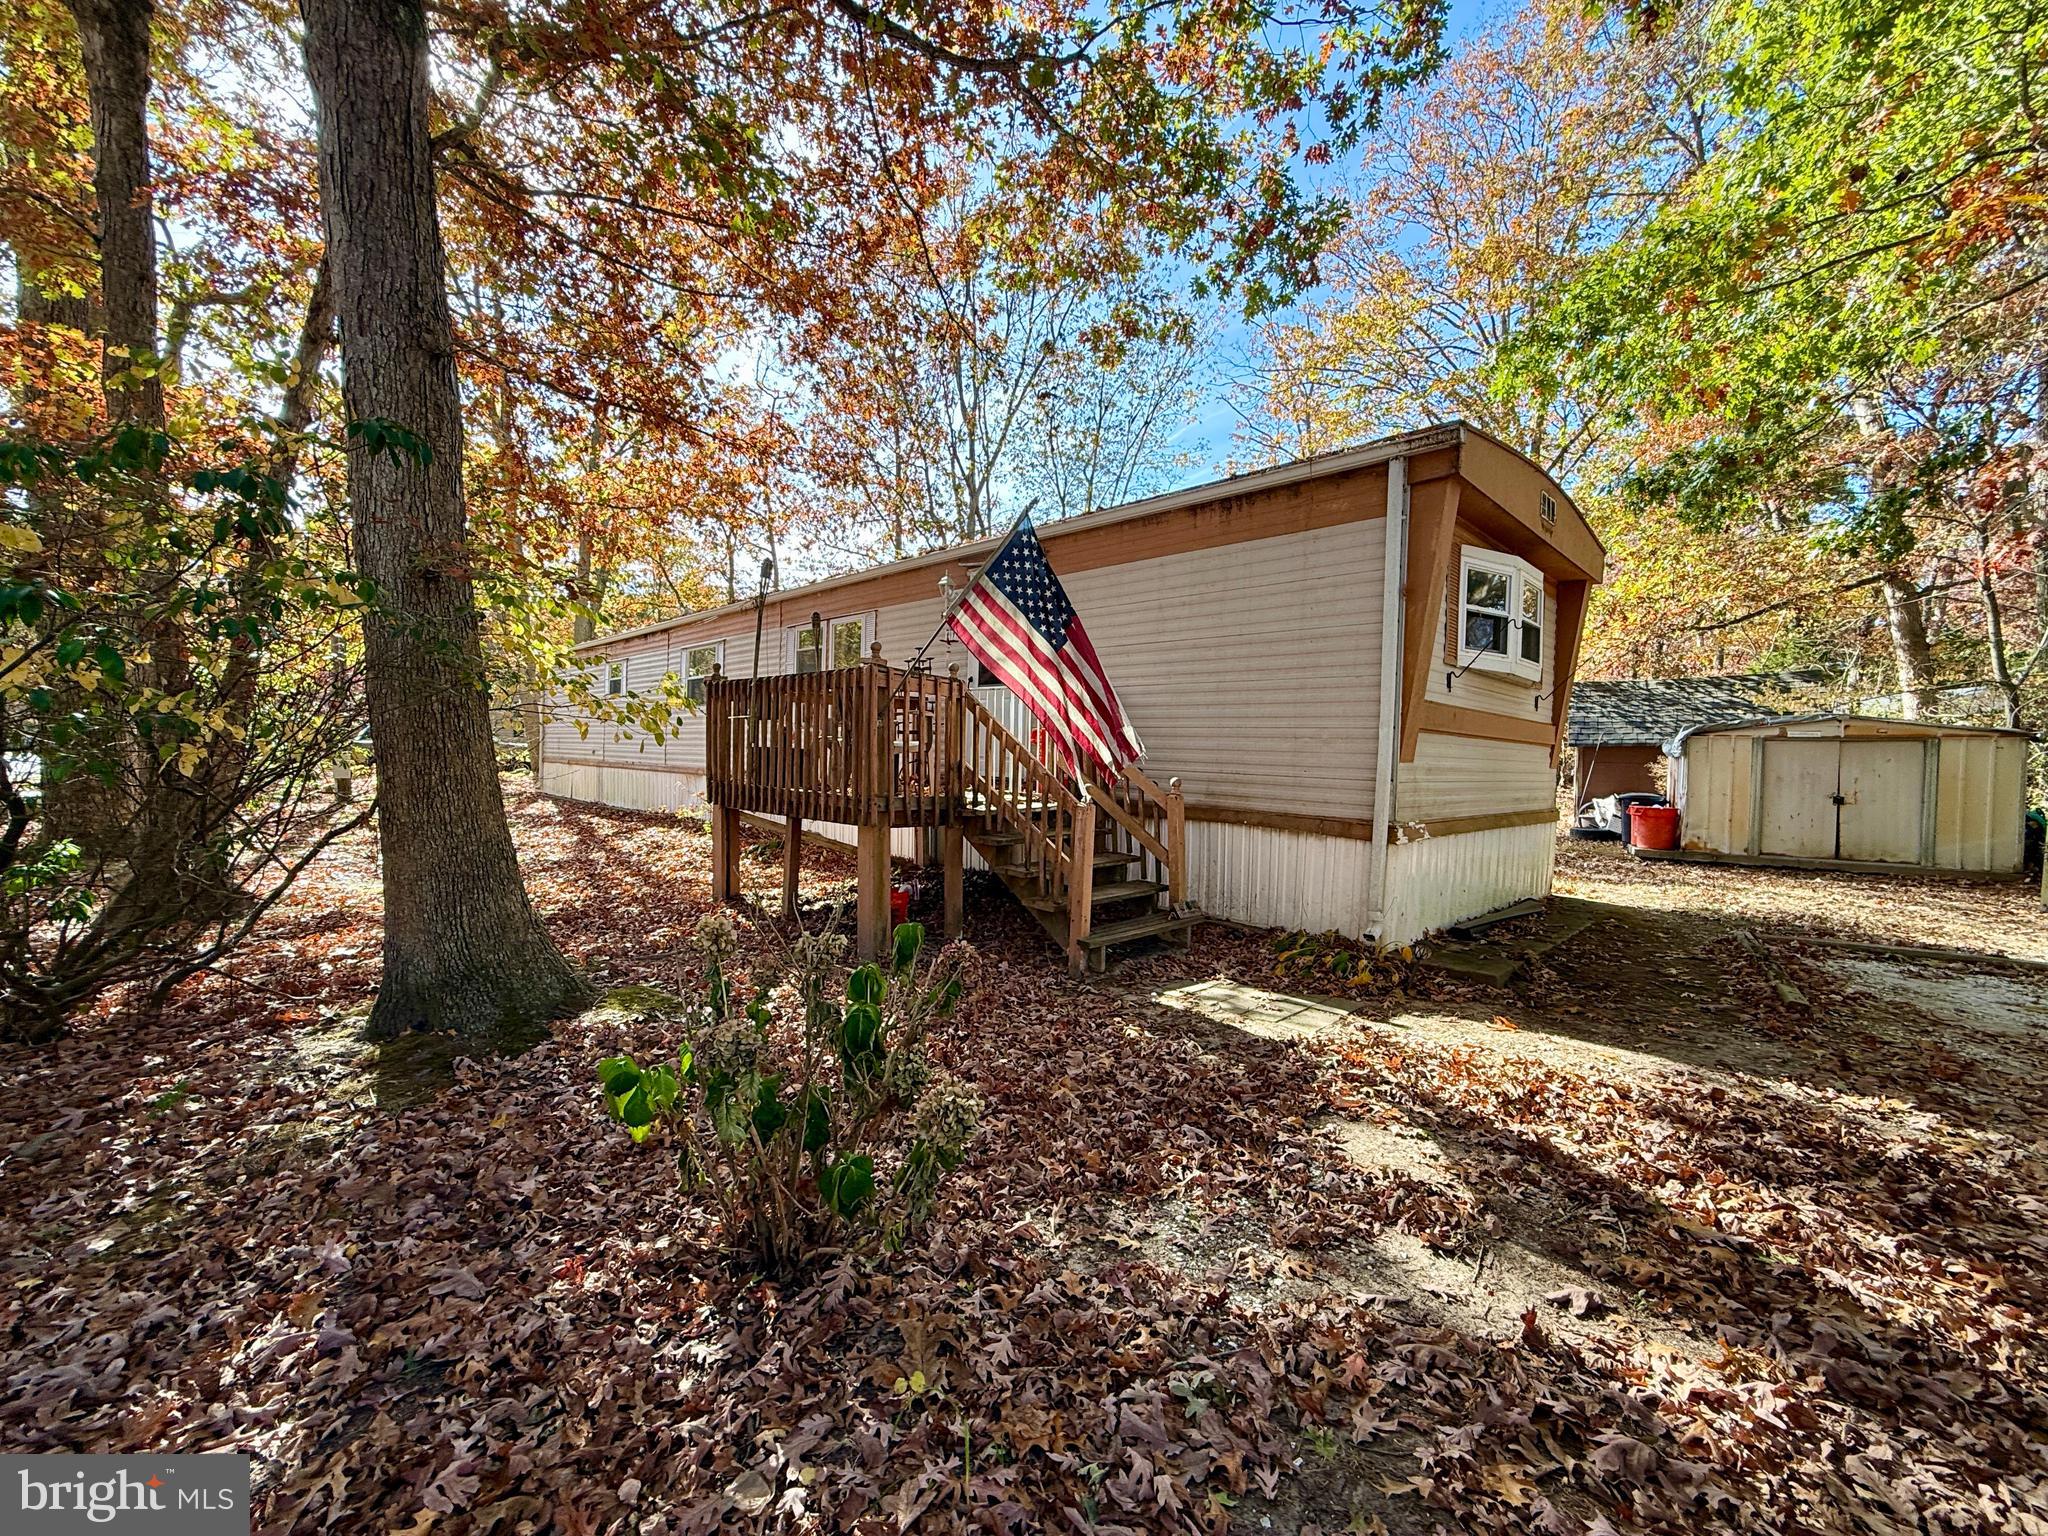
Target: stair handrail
{"x": 1045, "y": 786}
{"x": 1107, "y": 799}
{"x": 1168, "y": 846}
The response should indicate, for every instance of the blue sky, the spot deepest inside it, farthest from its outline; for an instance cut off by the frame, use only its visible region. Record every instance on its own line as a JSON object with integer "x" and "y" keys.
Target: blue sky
{"x": 1212, "y": 433}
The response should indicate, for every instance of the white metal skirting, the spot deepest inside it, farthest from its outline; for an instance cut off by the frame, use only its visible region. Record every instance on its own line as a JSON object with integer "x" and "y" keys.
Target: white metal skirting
{"x": 630, "y": 789}
{"x": 641, "y": 789}
{"x": 1254, "y": 875}
{"x": 1435, "y": 881}
{"x": 1272, "y": 879}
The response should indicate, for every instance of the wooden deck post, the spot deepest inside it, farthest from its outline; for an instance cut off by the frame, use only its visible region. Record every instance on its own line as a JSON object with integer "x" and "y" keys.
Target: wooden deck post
{"x": 792, "y": 862}
{"x": 871, "y": 904}
{"x": 1081, "y": 885}
{"x": 952, "y": 842}
{"x": 1176, "y": 845}
{"x": 725, "y": 853}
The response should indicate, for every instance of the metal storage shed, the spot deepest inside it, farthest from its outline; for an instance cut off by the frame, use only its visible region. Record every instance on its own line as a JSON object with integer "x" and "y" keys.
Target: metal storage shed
{"x": 1852, "y": 791}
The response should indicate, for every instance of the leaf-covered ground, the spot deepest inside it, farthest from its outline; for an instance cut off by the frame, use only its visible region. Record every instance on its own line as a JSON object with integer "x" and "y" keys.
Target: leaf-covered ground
{"x": 1630, "y": 1247}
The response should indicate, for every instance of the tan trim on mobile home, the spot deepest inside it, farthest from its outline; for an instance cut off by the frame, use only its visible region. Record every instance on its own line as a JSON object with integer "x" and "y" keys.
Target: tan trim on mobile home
{"x": 1453, "y": 826}
{"x": 1432, "y": 523}
{"x": 1454, "y": 720}
{"x": 1282, "y": 821}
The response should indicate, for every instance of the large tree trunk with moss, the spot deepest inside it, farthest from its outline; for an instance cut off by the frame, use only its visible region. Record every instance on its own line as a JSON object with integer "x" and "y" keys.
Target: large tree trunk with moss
{"x": 463, "y": 949}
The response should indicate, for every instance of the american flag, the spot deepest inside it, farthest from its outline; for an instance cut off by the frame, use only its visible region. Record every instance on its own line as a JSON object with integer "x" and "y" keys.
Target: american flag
{"x": 1017, "y": 621}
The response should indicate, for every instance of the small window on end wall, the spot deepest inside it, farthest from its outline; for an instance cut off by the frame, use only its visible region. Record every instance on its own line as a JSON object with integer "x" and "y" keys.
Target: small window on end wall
{"x": 699, "y": 662}
{"x": 614, "y": 679}
{"x": 1500, "y": 620}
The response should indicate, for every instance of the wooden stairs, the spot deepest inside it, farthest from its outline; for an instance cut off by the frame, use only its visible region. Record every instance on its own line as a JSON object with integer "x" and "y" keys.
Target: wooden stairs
{"x": 876, "y": 748}
{"x": 1100, "y": 866}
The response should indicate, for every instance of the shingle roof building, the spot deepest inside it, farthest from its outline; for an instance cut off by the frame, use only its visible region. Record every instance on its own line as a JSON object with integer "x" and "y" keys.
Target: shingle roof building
{"x": 1651, "y": 711}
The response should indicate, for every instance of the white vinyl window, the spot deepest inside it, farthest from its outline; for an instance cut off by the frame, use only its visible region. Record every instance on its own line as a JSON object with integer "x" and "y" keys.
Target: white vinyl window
{"x": 807, "y": 650}
{"x": 849, "y": 641}
{"x": 840, "y": 642}
{"x": 1500, "y": 615}
{"x": 699, "y": 662}
{"x": 614, "y": 675}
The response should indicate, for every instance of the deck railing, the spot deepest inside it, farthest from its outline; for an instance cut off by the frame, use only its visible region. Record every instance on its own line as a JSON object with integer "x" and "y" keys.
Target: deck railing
{"x": 876, "y": 747}
{"x": 868, "y": 745}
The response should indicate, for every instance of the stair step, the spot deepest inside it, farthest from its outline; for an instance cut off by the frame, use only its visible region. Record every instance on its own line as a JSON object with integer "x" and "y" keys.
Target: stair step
{"x": 1103, "y": 895}
{"x": 1124, "y": 890}
{"x": 1148, "y": 926}
{"x": 1106, "y": 858}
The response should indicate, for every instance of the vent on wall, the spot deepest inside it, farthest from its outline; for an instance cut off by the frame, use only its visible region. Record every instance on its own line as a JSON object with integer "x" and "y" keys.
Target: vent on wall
{"x": 1549, "y": 510}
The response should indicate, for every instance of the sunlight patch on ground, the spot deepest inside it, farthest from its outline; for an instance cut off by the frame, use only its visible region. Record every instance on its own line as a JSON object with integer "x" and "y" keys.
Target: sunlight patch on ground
{"x": 1271, "y": 1015}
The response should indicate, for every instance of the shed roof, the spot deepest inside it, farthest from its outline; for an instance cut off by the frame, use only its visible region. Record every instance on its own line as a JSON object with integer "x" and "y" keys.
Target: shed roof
{"x": 1650, "y": 711}
{"x": 1881, "y": 725}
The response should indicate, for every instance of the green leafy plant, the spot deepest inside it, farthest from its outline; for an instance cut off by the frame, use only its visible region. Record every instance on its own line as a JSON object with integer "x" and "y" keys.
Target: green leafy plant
{"x": 810, "y": 1112}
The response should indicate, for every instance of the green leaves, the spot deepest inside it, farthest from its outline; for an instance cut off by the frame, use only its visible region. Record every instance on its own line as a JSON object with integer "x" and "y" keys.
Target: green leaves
{"x": 388, "y": 437}
{"x": 866, "y": 986}
{"x": 817, "y": 1111}
{"x": 909, "y": 940}
{"x": 639, "y": 1097}
{"x": 786, "y": 1144}
{"x": 847, "y": 1185}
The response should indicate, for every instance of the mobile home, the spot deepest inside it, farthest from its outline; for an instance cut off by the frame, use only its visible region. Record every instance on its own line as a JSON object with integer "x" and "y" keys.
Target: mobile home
{"x": 1348, "y": 752}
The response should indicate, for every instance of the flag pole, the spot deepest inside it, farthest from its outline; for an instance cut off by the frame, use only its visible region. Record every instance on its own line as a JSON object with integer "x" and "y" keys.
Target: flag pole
{"x": 947, "y": 618}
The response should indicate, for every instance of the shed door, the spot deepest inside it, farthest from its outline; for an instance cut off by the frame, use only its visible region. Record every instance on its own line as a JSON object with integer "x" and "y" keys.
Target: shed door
{"x": 1801, "y": 778}
{"x": 1882, "y": 785}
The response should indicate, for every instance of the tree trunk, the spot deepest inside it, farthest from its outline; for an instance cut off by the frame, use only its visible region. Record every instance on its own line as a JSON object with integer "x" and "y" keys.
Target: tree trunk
{"x": 1906, "y": 616}
{"x": 463, "y": 949}
{"x": 113, "y": 40}
{"x": 1994, "y": 640}
{"x": 166, "y": 819}
{"x": 2037, "y": 485}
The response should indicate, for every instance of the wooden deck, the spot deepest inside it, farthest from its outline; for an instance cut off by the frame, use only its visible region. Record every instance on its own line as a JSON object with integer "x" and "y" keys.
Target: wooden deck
{"x": 877, "y": 747}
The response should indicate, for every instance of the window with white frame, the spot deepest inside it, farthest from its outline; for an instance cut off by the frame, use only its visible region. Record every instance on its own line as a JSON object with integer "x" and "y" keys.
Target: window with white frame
{"x": 840, "y": 642}
{"x": 699, "y": 662}
{"x": 614, "y": 677}
{"x": 1500, "y": 617}
{"x": 849, "y": 640}
{"x": 807, "y": 649}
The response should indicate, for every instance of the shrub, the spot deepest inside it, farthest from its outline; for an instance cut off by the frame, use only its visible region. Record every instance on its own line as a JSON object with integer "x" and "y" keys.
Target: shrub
{"x": 780, "y": 1106}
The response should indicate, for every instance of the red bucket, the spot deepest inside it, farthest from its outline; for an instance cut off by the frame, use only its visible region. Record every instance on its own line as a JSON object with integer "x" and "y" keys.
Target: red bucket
{"x": 1653, "y": 826}
{"x": 899, "y": 908}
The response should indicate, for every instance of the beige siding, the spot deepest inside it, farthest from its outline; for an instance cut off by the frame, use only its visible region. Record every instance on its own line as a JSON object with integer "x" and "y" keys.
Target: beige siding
{"x": 1980, "y": 803}
{"x": 1466, "y": 776}
{"x": 1251, "y": 670}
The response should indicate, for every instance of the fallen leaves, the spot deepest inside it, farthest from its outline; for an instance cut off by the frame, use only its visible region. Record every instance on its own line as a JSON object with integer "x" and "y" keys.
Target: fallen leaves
{"x": 1805, "y": 1304}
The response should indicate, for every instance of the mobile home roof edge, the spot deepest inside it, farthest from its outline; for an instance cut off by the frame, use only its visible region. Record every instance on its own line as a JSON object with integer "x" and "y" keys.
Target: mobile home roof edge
{"x": 1421, "y": 440}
